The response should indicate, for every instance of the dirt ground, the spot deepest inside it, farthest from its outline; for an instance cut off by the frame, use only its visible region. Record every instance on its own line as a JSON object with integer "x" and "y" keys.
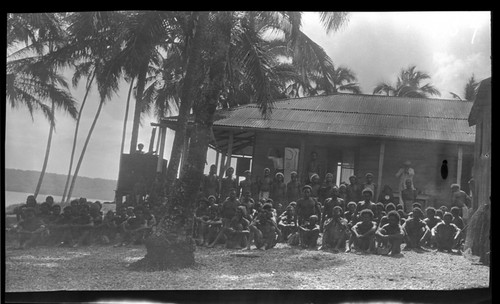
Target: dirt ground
{"x": 105, "y": 268}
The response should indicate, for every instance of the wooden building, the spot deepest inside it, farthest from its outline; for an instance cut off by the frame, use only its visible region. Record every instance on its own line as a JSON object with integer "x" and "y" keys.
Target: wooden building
{"x": 480, "y": 117}
{"x": 354, "y": 134}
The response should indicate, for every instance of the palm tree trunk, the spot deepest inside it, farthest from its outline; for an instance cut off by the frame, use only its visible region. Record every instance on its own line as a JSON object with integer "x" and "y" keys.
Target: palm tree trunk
{"x": 73, "y": 180}
{"x": 75, "y": 136}
{"x": 171, "y": 245}
{"x": 141, "y": 83}
{"x": 124, "y": 133}
{"x": 187, "y": 97}
{"x": 47, "y": 152}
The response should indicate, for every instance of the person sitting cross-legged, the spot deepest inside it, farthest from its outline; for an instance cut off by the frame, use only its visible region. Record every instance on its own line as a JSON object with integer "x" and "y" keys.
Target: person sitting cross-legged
{"x": 390, "y": 236}
{"x": 335, "y": 231}
{"x": 30, "y": 229}
{"x": 363, "y": 233}
{"x": 134, "y": 228}
{"x": 236, "y": 232}
{"x": 446, "y": 234}
{"x": 309, "y": 233}
{"x": 416, "y": 231}
{"x": 263, "y": 230}
{"x": 287, "y": 222}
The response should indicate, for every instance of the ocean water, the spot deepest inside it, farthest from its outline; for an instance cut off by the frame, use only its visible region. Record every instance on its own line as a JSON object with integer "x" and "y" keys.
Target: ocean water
{"x": 12, "y": 197}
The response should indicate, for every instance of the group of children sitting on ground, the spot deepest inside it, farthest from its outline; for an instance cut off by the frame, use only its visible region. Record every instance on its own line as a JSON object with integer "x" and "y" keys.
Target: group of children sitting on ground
{"x": 325, "y": 217}
{"x": 81, "y": 223}
{"x": 364, "y": 226}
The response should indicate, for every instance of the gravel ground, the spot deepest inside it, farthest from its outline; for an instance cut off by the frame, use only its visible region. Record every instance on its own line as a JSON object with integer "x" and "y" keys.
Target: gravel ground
{"x": 105, "y": 268}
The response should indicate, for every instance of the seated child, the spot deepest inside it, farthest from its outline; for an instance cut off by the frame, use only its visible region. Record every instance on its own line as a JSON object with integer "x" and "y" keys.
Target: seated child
{"x": 109, "y": 229}
{"x": 416, "y": 231}
{"x": 379, "y": 212}
{"x": 213, "y": 228}
{"x": 444, "y": 209}
{"x": 286, "y": 222}
{"x": 457, "y": 219}
{"x": 388, "y": 208}
{"x": 97, "y": 218}
{"x": 44, "y": 212}
{"x": 431, "y": 220}
{"x": 363, "y": 233}
{"x": 446, "y": 233}
{"x": 81, "y": 226}
{"x": 263, "y": 230}
{"x": 351, "y": 215}
{"x": 309, "y": 232}
{"x": 236, "y": 232}
{"x": 390, "y": 235}
{"x": 200, "y": 221}
{"x": 336, "y": 231}
{"x": 30, "y": 229}
{"x": 133, "y": 228}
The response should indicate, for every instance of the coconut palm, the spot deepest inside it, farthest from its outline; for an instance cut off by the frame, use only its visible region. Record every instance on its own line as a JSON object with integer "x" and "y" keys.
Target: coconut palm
{"x": 97, "y": 41}
{"x": 30, "y": 78}
{"x": 219, "y": 37}
{"x": 470, "y": 90}
{"x": 408, "y": 84}
{"x": 78, "y": 54}
{"x": 342, "y": 80}
{"x": 144, "y": 33}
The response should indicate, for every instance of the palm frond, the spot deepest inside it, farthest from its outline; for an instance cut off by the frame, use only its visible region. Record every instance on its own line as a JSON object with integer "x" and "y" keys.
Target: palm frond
{"x": 334, "y": 21}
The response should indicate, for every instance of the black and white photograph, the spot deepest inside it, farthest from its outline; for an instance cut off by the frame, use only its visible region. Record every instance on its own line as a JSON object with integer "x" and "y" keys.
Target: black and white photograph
{"x": 154, "y": 150}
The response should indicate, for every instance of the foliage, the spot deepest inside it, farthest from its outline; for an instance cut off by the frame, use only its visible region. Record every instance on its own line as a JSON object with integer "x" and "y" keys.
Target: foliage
{"x": 470, "y": 90}
{"x": 408, "y": 84}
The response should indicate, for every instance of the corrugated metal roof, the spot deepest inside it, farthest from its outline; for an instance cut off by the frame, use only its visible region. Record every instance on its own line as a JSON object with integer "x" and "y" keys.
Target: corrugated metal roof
{"x": 361, "y": 115}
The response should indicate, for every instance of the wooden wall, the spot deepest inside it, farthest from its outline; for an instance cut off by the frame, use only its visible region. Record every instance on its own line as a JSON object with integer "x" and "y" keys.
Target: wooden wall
{"x": 426, "y": 158}
{"x": 482, "y": 159}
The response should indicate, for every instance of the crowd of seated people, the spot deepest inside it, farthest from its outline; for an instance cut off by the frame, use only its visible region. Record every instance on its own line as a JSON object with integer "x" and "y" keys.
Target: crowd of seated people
{"x": 246, "y": 215}
{"x": 321, "y": 215}
{"x": 80, "y": 223}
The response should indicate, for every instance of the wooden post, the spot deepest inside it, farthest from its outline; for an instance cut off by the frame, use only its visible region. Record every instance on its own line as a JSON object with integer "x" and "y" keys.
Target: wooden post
{"x": 380, "y": 168}
{"x": 159, "y": 140}
{"x": 459, "y": 165}
{"x": 162, "y": 136}
{"x": 152, "y": 140}
{"x": 229, "y": 151}
{"x": 217, "y": 154}
{"x": 184, "y": 156}
{"x": 302, "y": 155}
{"x": 222, "y": 164}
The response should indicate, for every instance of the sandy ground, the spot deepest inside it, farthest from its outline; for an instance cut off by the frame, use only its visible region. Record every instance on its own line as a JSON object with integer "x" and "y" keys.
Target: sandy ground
{"x": 105, "y": 268}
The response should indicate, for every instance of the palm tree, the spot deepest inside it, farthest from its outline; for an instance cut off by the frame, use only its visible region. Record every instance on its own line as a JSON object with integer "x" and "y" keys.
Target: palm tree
{"x": 470, "y": 90}
{"x": 221, "y": 35}
{"x": 144, "y": 33}
{"x": 30, "y": 78}
{"x": 342, "y": 80}
{"x": 97, "y": 41}
{"x": 164, "y": 248}
{"x": 82, "y": 28}
{"x": 408, "y": 85}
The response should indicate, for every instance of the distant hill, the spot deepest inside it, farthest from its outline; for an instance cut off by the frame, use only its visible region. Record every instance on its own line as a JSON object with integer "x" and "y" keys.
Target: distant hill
{"x": 53, "y": 184}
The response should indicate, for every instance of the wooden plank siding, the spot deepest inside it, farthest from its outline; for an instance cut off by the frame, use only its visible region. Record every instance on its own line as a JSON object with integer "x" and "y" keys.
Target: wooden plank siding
{"x": 426, "y": 158}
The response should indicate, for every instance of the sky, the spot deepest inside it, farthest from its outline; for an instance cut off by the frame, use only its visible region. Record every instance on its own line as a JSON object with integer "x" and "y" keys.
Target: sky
{"x": 449, "y": 46}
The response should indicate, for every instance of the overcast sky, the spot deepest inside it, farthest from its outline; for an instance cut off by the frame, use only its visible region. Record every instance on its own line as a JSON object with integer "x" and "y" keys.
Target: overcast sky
{"x": 449, "y": 46}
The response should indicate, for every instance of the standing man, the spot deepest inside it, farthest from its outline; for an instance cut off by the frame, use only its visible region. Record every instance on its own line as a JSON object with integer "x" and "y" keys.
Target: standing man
{"x": 313, "y": 167}
{"x": 405, "y": 173}
{"x": 211, "y": 183}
